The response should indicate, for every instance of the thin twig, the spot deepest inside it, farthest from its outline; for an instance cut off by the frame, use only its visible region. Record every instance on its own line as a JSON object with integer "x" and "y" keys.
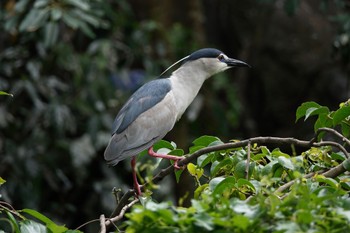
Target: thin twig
{"x": 121, "y": 214}
{"x": 248, "y": 161}
{"x": 290, "y": 183}
{"x": 333, "y": 131}
{"x": 102, "y": 224}
{"x": 333, "y": 144}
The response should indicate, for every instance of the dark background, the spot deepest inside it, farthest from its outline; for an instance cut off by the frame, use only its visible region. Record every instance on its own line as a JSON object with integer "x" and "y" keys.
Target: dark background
{"x": 70, "y": 71}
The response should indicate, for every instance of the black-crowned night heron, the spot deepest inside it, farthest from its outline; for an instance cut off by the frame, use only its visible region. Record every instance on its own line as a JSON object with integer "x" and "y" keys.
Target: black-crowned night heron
{"x": 153, "y": 109}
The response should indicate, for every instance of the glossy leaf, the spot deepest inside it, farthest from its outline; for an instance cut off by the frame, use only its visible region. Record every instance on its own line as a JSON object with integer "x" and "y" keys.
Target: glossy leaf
{"x": 5, "y": 93}
{"x": 199, "y": 190}
{"x": 240, "y": 169}
{"x": 194, "y": 170}
{"x": 205, "y": 159}
{"x": 48, "y": 222}
{"x": 205, "y": 140}
{"x": 2, "y": 181}
{"x": 224, "y": 164}
{"x": 227, "y": 183}
{"x": 29, "y": 226}
{"x": 214, "y": 182}
{"x": 51, "y": 34}
{"x": 286, "y": 162}
{"x": 244, "y": 182}
{"x": 308, "y": 109}
{"x": 341, "y": 114}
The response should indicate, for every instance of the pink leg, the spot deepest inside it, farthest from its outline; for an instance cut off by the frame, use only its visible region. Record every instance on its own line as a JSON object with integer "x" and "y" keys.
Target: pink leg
{"x": 171, "y": 157}
{"x": 134, "y": 176}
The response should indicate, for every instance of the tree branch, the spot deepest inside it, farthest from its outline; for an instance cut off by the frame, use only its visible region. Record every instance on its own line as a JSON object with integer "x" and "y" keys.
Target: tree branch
{"x": 336, "y": 133}
{"x": 121, "y": 214}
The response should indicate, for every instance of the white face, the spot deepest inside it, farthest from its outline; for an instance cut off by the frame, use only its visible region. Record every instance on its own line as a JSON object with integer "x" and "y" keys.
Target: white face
{"x": 215, "y": 65}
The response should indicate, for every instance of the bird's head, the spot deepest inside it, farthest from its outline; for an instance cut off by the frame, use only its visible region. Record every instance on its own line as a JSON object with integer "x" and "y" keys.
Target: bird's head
{"x": 208, "y": 60}
{"x": 212, "y": 61}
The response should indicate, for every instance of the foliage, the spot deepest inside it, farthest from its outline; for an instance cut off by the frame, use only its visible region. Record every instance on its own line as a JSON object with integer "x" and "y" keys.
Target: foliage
{"x": 5, "y": 93}
{"x": 325, "y": 117}
{"x": 27, "y": 221}
{"x": 228, "y": 199}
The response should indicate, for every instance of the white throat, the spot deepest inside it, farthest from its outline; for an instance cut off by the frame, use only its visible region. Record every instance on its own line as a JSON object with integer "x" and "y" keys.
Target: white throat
{"x": 187, "y": 81}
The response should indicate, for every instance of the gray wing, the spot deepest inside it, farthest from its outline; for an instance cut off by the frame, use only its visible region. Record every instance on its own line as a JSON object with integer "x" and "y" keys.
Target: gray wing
{"x": 145, "y": 118}
{"x": 143, "y": 99}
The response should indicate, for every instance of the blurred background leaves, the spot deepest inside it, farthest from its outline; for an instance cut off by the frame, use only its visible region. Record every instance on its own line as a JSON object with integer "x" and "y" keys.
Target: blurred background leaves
{"x": 71, "y": 64}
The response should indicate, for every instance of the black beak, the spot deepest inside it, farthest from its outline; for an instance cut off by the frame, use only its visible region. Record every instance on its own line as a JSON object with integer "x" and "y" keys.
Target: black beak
{"x": 235, "y": 63}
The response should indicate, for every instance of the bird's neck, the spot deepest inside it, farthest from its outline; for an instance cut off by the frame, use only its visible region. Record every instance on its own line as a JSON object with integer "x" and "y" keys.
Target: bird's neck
{"x": 186, "y": 83}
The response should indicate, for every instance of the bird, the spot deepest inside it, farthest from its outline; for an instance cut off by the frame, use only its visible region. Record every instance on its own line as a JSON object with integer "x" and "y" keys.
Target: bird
{"x": 153, "y": 109}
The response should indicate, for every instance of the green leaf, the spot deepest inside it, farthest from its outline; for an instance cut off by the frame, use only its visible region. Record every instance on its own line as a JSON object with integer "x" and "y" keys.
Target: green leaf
{"x": 244, "y": 182}
{"x": 28, "y": 226}
{"x": 178, "y": 152}
{"x": 327, "y": 180}
{"x": 323, "y": 120}
{"x": 34, "y": 19}
{"x": 70, "y": 21}
{"x": 38, "y": 216}
{"x": 315, "y": 111}
{"x": 241, "y": 222}
{"x": 199, "y": 190}
{"x": 191, "y": 169}
{"x": 285, "y": 162}
{"x": 2, "y": 181}
{"x": 338, "y": 156}
{"x": 270, "y": 168}
{"x": 308, "y": 109}
{"x": 51, "y": 34}
{"x": 41, "y": 3}
{"x": 178, "y": 174}
{"x": 56, "y": 14}
{"x": 341, "y": 114}
{"x": 84, "y": 16}
{"x": 216, "y": 167}
{"x": 214, "y": 182}
{"x": 194, "y": 170}
{"x": 227, "y": 183}
{"x": 205, "y": 140}
{"x": 204, "y": 221}
{"x": 49, "y": 223}
{"x": 277, "y": 153}
{"x": 203, "y": 160}
{"x": 83, "y": 5}
{"x": 5, "y": 93}
{"x": 346, "y": 165}
{"x": 13, "y": 221}
{"x": 240, "y": 168}
{"x": 195, "y": 148}
{"x": 301, "y": 110}
{"x": 345, "y": 129}
{"x": 163, "y": 144}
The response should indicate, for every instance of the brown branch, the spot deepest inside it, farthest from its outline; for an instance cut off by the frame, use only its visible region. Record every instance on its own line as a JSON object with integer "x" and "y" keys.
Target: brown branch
{"x": 290, "y": 183}
{"x": 333, "y": 131}
{"x": 102, "y": 224}
{"x": 121, "y": 214}
{"x": 124, "y": 201}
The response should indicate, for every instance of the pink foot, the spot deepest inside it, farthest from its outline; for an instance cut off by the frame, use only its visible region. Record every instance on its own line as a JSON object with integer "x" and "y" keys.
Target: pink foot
{"x": 176, "y": 159}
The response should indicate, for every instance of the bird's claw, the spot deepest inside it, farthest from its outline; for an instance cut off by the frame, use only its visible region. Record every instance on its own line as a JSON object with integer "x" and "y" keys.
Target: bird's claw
{"x": 176, "y": 166}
